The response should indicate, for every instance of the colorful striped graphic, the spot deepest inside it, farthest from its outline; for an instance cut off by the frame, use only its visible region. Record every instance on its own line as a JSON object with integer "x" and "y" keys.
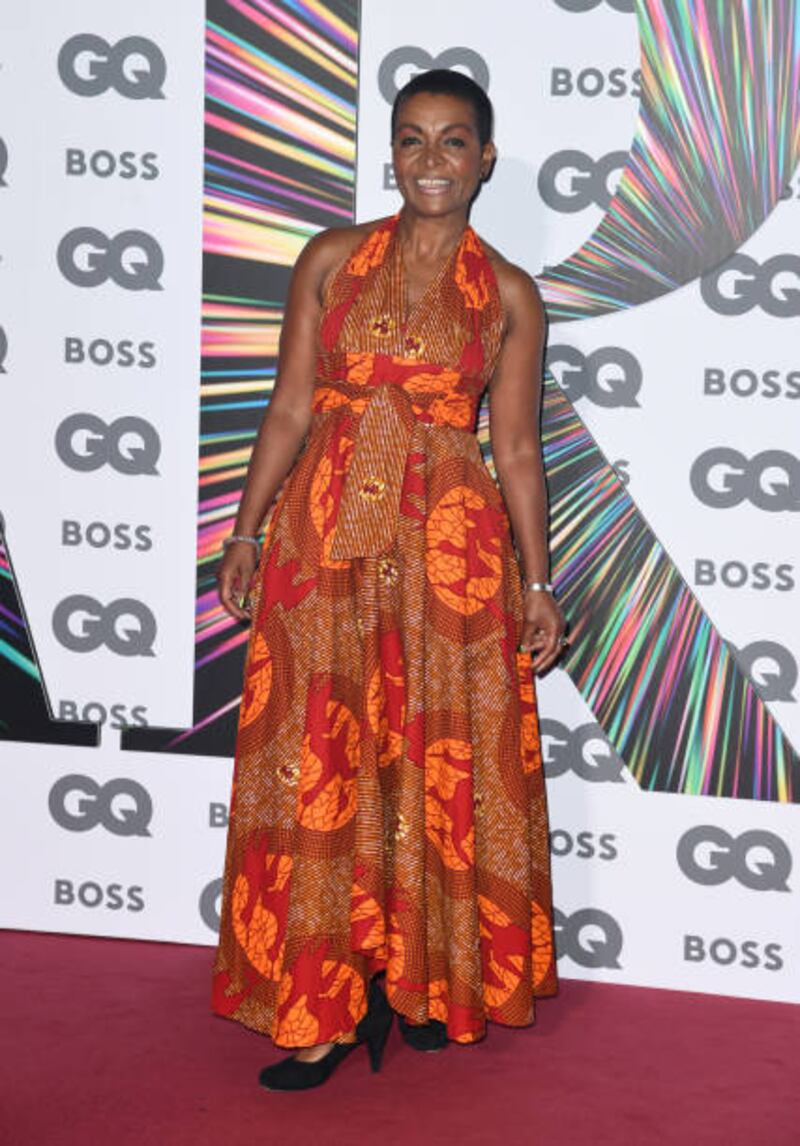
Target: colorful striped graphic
{"x": 702, "y": 177}
{"x": 16, "y": 653}
{"x": 24, "y": 709}
{"x": 661, "y": 681}
{"x": 717, "y": 141}
{"x": 279, "y": 167}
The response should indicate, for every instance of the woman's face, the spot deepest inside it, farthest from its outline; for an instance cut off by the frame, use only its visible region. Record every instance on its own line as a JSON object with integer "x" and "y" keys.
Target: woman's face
{"x": 437, "y": 155}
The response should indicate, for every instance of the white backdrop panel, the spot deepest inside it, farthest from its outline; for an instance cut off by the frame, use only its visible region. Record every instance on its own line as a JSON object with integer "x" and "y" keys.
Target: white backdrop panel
{"x": 102, "y": 118}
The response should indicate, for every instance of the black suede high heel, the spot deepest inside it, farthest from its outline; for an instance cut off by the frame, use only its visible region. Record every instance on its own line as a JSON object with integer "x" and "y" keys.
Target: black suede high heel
{"x": 373, "y": 1029}
{"x": 430, "y": 1036}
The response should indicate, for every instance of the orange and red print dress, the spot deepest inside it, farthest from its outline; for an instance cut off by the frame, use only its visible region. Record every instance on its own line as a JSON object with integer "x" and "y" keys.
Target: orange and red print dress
{"x": 388, "y": 807}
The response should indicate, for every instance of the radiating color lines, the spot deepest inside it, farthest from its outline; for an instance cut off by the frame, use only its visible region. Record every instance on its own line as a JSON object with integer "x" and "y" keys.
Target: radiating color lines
{"x": 661, "y": 681}
{"x": 279, "y": 167}
{"x": 717, "y": 140}
{"x": 24, "y": 710}
{"x": 16, "y": 654}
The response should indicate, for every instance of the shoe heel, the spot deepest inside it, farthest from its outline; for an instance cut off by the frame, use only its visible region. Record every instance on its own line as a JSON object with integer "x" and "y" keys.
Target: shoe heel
{"x": 376, "y": 1024}
{"x": 376, "y": 1043}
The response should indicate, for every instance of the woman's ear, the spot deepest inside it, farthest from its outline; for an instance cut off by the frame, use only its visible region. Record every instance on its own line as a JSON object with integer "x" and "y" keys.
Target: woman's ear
{"x": 488, "y": 160}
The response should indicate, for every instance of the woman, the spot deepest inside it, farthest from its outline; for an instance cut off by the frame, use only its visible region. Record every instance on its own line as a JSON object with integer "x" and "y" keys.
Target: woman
{"x": 388, "y": 815}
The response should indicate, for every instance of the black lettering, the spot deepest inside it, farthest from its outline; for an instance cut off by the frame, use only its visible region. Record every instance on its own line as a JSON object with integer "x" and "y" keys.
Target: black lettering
{"x": 135, "y": 898}
{"x": 693, "y": 949}
{"x": 63, "y": 892}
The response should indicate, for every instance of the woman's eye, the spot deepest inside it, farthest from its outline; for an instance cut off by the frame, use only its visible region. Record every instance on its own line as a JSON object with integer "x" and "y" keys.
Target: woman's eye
{"x": 408, "y": 140}
{"x": 455, "y": 141}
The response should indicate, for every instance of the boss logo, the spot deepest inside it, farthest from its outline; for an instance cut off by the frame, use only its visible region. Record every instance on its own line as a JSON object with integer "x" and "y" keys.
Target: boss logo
{"x": 746, "y": 383}
{"x": 78, "y": 803}
{"x": 723, "y": 478}
{"x": 99, "y": 535}
{"x": 584, "y": 844}
{"x": 771, "y": 667}
{"x": 125, "y": 626}
{"x": 589, "y": 937}
{"x": 609, "y": 377}
{"x": 217, "y": 815}
{"x": 134, "y": 67}
{"x": 3, "y": 350}
{"x": 3, "y": 162}
{"x": 725, "y": 952}
{"x": 117, "y": 716}
{"x": 130, "y": 445}
{"x": 591, "y": 82}
{"x": 738, "y": 575}
{"x": 571, "y": 181}
{"x": 587, "y": 5}
{"x": 114, "y": 896}
{"x": 104, "y": 352}
{"x": 583, "y": 750}
{"x": 403, "y": 63}
{"x": 104, "y": 164}
{"x": 132, "y": 259}
{"x": 209, "y": 904}
{"x": 740, "y": 284}
{"x": 757, "y": 859}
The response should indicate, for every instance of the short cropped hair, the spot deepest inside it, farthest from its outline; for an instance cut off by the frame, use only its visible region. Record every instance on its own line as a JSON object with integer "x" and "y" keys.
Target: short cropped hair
{"x": 446, "y": 81}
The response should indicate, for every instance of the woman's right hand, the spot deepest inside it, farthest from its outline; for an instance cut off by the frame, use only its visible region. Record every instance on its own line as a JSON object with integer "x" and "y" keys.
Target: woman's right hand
{"x": 234, "y": 576}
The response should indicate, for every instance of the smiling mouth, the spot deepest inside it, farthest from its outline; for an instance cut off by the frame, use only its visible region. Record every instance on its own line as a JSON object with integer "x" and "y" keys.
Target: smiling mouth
{"x": 433, "y": 186}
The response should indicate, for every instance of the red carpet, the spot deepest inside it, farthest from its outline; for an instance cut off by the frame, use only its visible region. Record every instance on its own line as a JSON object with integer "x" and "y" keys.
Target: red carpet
{"x": 111, "y": 1042}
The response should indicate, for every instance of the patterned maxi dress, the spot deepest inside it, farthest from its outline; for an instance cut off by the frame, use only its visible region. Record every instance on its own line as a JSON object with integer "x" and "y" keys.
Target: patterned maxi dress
{"x": 388, "y": 807}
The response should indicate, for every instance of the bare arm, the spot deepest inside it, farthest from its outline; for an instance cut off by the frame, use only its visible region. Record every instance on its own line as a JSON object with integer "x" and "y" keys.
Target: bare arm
{"x": 288, "y": 414}
{"x": 515, "y": 398}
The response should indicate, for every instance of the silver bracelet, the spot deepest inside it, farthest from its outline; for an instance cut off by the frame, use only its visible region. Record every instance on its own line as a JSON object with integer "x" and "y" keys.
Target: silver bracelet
{"x": 234, "y": 537}
{"x": 539, "y": 586}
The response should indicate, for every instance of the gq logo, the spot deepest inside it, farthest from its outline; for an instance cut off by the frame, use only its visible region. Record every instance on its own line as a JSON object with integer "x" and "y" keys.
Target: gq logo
{"x": 587, "y": 5}
{"x": 740, "y": 284}
{"x": 610, "y": 377}
{"x": 209, "y": 904}
{"x": 132, "y": 259}
{"x": 571, "y": 181}
{"x": 130, "y": 445}
{"x": 403, "y": 63}
{"x": 589, "y": 937}
{"x": 78, "y": 803}
{"x": 709, "y": 855}
{"x": 3, "y": 350}
{"x": 771, "y": 667}
{"x": 583, "y": 750}
{"x": 3, "y": 163}
{"x": 723, "y": 478}
{"x": 125, "y": 626}
{"x": 134, "y": 67}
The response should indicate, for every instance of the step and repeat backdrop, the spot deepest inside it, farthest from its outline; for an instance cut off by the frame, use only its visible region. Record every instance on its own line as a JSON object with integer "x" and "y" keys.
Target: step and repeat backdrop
{"x": 647, "y": 179}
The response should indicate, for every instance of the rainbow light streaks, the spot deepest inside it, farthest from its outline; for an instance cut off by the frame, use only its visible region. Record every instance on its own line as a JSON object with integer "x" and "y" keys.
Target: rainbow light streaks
{"x": 24, "y": 710}
{"x": 717, "y": 141}
{"x": 280, "y": 166}
{"x": 661, "y": 681}
{"x": 16, "y": 652}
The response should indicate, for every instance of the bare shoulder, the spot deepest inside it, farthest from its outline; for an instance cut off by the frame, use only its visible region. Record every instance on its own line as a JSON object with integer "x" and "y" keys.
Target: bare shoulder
{"x": 519, "y": 293}
{"x": 328, "y": 250}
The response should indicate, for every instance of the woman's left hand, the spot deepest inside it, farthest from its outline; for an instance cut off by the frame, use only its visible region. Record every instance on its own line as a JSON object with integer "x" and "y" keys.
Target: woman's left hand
{"x": 543, "y": 627}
